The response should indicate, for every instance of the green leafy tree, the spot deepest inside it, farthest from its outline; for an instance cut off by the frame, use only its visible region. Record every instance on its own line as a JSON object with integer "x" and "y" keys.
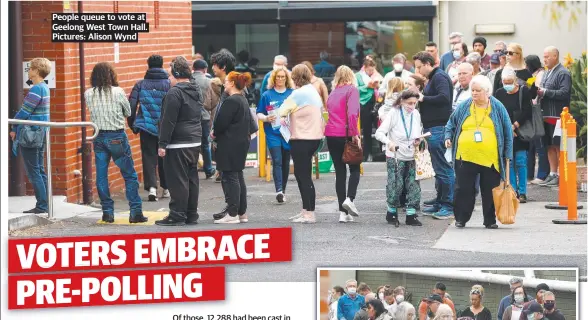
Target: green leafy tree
{"x": 570, "y": 10}
{"x": 578, "y": 102}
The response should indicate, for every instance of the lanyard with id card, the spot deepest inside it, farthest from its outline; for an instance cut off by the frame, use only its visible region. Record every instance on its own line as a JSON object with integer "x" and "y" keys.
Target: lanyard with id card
{"x": 478, "y": 134}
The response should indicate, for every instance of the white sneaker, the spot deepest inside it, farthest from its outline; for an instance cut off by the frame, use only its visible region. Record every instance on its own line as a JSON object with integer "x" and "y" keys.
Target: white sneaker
{"x": 536, "y": 181}
{"x": 152, "y": 194}
{"x": 243, "y": 218}
{"x": 349, "y": 218}
{"x": 350, "y": 207}
{"x": 342, "y": 217}
{"x": 228, "y": 219}
{"x": 298, "y": 215}
{"x": 308, "y": 217}
{"x": 165, "y": 193}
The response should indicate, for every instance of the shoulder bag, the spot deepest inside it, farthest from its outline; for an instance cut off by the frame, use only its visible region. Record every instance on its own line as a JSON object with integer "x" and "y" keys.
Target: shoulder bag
{"x": 352, "y": 152}
{"x": 423, "y": 165}
{"x": 31, "y": 136}
{"x": 532, "y": 128}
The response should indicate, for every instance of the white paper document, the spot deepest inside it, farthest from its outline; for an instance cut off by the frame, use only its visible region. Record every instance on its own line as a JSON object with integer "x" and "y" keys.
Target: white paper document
{"x": 285, "y": 133}
{"x": 557, "y": 131}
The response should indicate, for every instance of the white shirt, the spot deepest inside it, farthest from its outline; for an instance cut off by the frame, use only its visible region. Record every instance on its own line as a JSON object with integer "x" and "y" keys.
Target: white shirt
{"x": 391, "y": 75}
{"x": 392, "y": 129}
{"x": 463, "y": 96}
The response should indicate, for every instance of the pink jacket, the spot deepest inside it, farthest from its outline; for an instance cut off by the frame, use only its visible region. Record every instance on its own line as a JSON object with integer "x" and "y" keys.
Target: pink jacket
{"x": 347, "y": 94}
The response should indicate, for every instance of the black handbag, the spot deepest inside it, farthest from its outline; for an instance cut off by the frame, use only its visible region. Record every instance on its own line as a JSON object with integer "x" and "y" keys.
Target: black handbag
{"x": 532, "y": 128}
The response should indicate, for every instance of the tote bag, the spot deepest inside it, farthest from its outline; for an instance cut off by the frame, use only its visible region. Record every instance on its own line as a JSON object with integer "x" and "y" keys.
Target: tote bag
{"x": 505, "y": 200}
{"x": 423, "y": 164}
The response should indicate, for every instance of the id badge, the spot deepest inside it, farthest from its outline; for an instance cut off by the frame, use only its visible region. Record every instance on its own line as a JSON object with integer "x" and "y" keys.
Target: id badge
{"x": 478, "y": 136}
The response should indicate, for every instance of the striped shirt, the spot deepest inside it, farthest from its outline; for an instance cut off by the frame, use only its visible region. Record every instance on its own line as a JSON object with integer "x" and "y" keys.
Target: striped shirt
{"x": 108, "y": 110}
{"x": 35, "y": 106}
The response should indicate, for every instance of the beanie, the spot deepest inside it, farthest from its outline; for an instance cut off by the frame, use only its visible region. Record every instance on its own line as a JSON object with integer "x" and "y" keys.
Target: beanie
{"x": 480, "y": 40}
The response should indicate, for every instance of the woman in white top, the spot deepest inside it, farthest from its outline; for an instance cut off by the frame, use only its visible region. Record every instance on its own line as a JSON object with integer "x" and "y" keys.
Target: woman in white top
{"x": 400, "y": 132}
{"x": 334, "y": 296}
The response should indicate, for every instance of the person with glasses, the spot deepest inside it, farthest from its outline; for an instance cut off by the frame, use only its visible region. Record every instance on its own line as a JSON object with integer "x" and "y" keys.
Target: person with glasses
{"x": 516, "y": 60}
{"x": 551, "y": 312}
{"x": 477, "y": 311}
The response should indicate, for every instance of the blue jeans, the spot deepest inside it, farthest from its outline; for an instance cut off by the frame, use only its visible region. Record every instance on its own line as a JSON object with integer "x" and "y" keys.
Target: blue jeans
{"x": 35, "y": 169}
{"x": 543, "y": 169}
{"x": 444, "y": 174}
{"x": 518, "y": 172}
{"x": 281, "y": 167}
{"x": 115, "y": 145}
{"x": 205, "y": 147}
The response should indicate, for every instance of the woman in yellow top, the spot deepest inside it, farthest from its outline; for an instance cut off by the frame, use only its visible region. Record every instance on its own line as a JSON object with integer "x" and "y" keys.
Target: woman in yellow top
{"x": 481, "y": 135}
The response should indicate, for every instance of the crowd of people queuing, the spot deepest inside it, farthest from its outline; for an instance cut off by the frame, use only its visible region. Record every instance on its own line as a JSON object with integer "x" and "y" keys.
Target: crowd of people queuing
{"x": 468, "y": 105}
{"x": 359, "y": 302}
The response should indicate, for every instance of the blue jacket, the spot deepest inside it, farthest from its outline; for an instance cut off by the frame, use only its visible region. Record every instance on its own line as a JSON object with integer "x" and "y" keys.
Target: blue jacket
{"x": 148, "y": 92}
{"x": 264, "y": 84}
{"x": 347, "y": 307}
{"x": 502, "y": 127}
{"x": 445, "y": 60}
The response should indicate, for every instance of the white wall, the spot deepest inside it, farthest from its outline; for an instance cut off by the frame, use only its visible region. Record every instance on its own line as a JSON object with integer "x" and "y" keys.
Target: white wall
{"x": 532, "y": 29}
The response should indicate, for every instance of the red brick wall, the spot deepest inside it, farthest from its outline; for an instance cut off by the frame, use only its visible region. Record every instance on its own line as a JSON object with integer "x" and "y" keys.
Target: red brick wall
{"x": 171, "y": 38}
{"x": 307, "y": 40}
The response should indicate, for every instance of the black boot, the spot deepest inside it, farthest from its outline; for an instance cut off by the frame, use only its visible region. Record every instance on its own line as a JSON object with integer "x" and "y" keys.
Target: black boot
{"x": 392, "y": 218}
{"x": 192, "y": 218}
{"x": 138, "y": 218}
{"x": 412, "y": 220}
{"x": 108, "y": 218}
{"x": 222, "y": 214}
{"x": 172, "y": 219}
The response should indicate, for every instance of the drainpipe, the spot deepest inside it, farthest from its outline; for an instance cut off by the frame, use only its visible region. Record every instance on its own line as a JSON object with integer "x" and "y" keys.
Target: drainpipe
{"x": 468, "y": 275}
{"x": 86, "y": 148}
{"x": 15, "y": 91}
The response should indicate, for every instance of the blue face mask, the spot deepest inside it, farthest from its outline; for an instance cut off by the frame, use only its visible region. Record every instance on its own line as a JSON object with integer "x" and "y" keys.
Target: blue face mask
{"x": 456, "y": 54}
{"x": 509, "y": 87}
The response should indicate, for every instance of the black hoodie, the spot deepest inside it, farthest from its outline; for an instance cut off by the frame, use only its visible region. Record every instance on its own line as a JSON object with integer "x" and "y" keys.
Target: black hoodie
{"x": 181, "y": 115}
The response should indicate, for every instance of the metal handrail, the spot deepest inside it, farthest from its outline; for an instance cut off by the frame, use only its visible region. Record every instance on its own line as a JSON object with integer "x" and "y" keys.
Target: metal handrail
{"x": 50, "y": 125}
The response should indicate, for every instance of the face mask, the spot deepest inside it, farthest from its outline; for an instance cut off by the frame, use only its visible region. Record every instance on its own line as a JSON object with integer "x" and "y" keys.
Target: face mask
{"x": 381, "y": 296}
{"x": 508, "y": 87}
{"x": 276, "y": 67}
{"x": 519, "y": 298}
{"x": 399, "y": 298}
{"x": 531, "y": 316}
{"x": 409, "y": 110}
{"x": 456, "y": 54}
{"x": 352, "y": 290}
{"x": 398, "y": 67}
{"x": 549, "y": 305}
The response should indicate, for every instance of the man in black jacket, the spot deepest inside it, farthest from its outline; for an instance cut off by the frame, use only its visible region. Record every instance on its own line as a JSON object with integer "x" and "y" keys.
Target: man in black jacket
{"x": 435, "y": 108}
{"x": 179, "y": 144}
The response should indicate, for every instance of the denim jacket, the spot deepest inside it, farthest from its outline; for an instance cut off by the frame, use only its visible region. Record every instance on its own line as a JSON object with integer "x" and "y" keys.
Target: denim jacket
{"x": 502, "y": 127}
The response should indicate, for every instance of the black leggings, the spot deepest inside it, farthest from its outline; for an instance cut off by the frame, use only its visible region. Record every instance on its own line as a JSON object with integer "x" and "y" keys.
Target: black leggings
{"x": 366, "y": 121}
{"x": 302, "y": 152}
{"x": 336, "y": 146}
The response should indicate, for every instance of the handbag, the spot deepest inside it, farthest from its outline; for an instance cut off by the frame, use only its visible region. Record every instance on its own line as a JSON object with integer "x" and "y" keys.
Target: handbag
{"x": 352, "y": 152}
{"x": 423, "y": 165}
{"x": 505, "y": 200}
{"x": 532, "y": 128}
{"x": 31, "y": 136}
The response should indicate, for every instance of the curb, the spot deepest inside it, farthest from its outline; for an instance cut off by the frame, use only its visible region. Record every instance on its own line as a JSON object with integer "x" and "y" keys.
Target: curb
{"x": 27, "y": 221}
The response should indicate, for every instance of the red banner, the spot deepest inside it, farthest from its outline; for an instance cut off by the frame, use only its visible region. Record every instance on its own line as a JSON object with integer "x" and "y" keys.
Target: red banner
{"x": 115, "y": 288}
{"x": 150, "y": 250}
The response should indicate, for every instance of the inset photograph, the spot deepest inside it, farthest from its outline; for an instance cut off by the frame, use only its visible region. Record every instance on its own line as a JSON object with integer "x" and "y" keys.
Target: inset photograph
{"x": 447, "y": 293}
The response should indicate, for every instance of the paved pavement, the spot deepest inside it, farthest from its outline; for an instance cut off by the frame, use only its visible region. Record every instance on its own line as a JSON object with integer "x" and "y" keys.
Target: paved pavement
{"x": 369, "y": 242}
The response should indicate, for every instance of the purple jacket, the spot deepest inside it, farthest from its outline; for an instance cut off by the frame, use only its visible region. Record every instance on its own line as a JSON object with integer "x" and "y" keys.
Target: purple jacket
{"x": 347, "y": 94}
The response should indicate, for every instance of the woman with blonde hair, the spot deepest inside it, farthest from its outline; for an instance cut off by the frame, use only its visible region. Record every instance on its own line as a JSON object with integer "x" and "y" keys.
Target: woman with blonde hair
{"x": 304, "y": 109}
{"x": 280, "y": 86}
{"x": 343, "y": 108}
{"x": 516, "y": 60}
{"x": 444, "y": 312}
{"x": 318, "y": 83}
{"x": 477, "y": 311}
{"x": 394, "y": 88}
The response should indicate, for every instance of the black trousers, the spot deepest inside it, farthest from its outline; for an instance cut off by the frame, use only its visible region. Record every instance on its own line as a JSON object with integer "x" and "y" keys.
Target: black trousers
{"x": 151, "y": 161}
{"x": 464, "y": 198}
{"x": 336, "y": 146}
{"x": 233, "y": 184}
{"x": 181, "y": 168}
{"x": 302, "y": 153}
{"x": 367, "y": 123}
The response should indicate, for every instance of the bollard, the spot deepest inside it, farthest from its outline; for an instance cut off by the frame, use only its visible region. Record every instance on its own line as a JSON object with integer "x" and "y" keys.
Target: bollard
{"x": 261, "y": 149}
{"x": 570, "y": 175}
{"x": 324, "y": 286}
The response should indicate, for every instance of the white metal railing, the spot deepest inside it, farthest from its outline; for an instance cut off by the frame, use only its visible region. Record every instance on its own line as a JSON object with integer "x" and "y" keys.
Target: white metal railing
{"x": 50, "y": 125}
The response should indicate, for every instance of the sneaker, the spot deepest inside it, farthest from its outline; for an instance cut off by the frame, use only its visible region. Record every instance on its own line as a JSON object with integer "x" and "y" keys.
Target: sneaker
{"x": 210, "y": 175}
{"x": 280, "y": 197}
{"x": 343, "y": 217}
{"x": 430, "y": 203}
{"x": 412, "y": 220}
{"x": 547, "y": 180}
{"x": 218, "y": 178}
{"x": 459, "y": 224}
{"x": 152, "y": 194}
{"x": 243, "y": 218}
{"x": 192, "y": 219}
{"x": 169, "y": 221}
{"x": 443, "y": 214}
{"x": 228, "y": 220}
{"x": 552, "y": 183}
{"x": 523, "y": 198}
{"x": 222, "y": 214}
{"x": 138, "y": 218}
{"x": 298, "y": 215}
{"x": 36, "y": 211}
{"x": 349, "y": 218}
{"x": 536, "y": 181}
{"x": 430, "y": 211}
{"x": 108, "y": 218}
{"x": 307, "y": 217}
{"x": 165, "y": 193}
{"x": 350, "y": 207}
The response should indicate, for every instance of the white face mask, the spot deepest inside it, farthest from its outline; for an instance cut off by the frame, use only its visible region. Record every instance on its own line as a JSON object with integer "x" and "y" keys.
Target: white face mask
{"x": 398, "y": 67}
{"x": 381, "y": 296}
{"x": 399, "y": 298}
{"x": 352, "y": 290}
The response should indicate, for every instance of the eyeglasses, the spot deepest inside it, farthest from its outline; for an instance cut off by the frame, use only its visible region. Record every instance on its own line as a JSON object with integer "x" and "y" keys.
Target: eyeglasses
{"x": 280, "y": 77}
{"x": 511, "y": 53}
